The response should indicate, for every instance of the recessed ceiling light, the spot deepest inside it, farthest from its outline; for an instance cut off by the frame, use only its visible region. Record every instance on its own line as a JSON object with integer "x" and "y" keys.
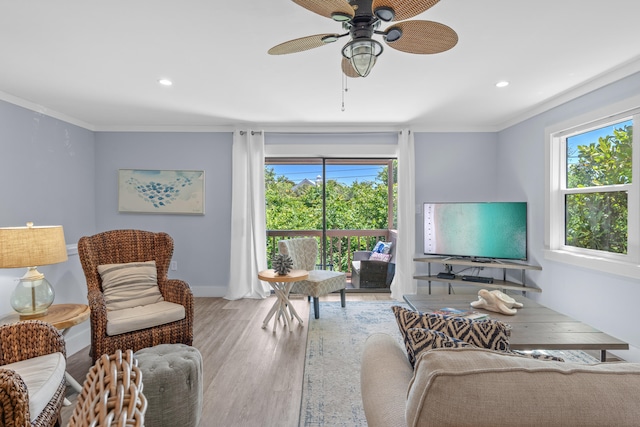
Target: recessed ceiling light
{"x": 165, "y": 82}
{"x": 503, "y": 83}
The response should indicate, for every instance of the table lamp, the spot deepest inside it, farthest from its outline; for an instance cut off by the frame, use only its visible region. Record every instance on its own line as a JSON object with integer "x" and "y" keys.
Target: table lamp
{"x": 30, "y": 247}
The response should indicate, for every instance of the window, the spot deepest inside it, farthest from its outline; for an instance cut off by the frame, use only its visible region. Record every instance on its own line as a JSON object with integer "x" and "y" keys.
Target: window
{"x": 593, "y": 199}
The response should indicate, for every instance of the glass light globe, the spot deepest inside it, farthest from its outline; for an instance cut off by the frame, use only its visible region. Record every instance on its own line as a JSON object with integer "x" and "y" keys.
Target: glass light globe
{"x": 32, "y": 298}
{"x": 362, "y": 53}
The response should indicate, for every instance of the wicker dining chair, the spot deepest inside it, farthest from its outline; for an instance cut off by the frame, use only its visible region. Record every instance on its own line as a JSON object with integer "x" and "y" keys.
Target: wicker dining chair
{"x": 112, "y": 394}
{"x": 133, "y": 246}
{"x": 19, "y": 342}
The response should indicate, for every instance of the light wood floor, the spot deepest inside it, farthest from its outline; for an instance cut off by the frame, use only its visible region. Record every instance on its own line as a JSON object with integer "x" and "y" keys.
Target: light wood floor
{"x": 252, "y": 377}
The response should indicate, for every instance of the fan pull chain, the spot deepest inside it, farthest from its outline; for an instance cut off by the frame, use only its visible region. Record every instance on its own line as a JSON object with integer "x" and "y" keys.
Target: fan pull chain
{"x": 344, "y": 89}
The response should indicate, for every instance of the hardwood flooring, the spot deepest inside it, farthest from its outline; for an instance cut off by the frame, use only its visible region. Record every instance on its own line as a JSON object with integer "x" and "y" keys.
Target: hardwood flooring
{"x": 251, "y": 376}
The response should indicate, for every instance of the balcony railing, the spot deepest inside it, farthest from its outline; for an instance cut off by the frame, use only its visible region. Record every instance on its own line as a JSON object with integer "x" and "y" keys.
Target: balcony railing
{"x": 340, "y": 244}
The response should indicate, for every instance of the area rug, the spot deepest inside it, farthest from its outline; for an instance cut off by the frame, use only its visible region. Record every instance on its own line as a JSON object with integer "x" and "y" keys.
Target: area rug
{"x": 331, "y": 389}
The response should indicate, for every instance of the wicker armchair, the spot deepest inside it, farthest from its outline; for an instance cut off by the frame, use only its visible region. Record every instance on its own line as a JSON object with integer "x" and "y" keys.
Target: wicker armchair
{"x": 127, "y": 246}
{"x": 111, "y": 394}
{"x": 19, "y": 342}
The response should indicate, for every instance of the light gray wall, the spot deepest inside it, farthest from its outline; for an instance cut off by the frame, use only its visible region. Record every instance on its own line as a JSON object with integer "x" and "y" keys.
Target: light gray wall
{"x": 47, "y": 176}
{"x": 453, "y": 167}
{"x": 606, "y": 302}
{"x": 56, "y": 173}
{"x": 456, "y": 167}
{"x": 201, "y": 242}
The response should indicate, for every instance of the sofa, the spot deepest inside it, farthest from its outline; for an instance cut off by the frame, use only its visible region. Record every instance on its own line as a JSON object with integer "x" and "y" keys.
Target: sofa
{"x": 471, "y": 386}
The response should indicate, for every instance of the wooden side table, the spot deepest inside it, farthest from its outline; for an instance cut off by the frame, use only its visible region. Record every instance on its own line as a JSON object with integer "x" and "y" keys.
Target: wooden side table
{"x": 62, "y": 317}
{"x": 282, "y": 286}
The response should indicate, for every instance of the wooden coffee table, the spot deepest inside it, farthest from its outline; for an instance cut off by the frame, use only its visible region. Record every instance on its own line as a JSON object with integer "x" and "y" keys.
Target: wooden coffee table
{"x": 535, "y": 327}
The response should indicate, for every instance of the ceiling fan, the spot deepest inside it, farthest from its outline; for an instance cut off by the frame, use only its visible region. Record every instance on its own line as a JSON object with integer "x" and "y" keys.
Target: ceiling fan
{"x": 361, "y": 20}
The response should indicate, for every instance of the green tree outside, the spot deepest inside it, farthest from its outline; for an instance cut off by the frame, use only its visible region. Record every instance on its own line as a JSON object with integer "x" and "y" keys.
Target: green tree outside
{"x": 359, "y": 206}
{"x": 598, "y": 220}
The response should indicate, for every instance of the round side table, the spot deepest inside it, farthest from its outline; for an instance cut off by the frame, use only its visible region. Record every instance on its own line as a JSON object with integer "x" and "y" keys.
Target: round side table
{"x": 282, "y": 286}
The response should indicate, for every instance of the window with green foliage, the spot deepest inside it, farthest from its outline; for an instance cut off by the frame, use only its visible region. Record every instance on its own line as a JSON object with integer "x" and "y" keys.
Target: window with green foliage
{"x": 594, "y": 197}
{"x": 599, "y": 178}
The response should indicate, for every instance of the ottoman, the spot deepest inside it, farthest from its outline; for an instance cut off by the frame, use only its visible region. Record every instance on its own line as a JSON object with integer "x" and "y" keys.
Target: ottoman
{"x": 172, "y": 384}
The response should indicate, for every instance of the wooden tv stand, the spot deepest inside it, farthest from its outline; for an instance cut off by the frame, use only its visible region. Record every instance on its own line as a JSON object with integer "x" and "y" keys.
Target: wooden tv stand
{"x": 497, "y": 283}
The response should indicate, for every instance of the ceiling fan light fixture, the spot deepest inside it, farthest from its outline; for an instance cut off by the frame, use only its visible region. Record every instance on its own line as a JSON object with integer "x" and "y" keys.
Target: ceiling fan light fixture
{"x": 385, "y": 13}
{"x": 329, "y": 39}
{"x": 362, "y": 53}
{"x": 340, "y": 17}
{"x": 392, "y": 34}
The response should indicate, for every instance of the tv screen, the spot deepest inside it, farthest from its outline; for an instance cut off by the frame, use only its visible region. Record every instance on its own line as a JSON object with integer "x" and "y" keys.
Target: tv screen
{"x": 476, "y": 230}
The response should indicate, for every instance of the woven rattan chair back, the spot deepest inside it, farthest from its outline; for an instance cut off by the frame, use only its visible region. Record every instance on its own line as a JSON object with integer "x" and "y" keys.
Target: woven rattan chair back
{"x": 125, "y": 246}
{"x": 112, "y": 394}
{"x": 21, "y": 341}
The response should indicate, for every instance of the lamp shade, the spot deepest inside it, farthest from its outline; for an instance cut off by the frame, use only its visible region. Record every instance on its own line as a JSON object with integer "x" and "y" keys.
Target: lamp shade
{"x": 32, "y": 246}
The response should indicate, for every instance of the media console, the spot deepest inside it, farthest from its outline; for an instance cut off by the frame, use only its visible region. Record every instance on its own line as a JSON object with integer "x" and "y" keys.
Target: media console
{"x": 487, "y": 282}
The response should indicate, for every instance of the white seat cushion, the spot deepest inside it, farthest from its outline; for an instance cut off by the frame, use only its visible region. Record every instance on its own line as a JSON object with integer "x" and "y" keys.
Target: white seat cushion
{"x": 355, "y": 266}
{"x": 42, "y": 376}
{"x": 142, "y": 317}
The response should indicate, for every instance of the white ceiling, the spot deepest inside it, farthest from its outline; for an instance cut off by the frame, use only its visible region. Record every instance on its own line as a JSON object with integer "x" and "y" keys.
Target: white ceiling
{"x": 96, "y": 64}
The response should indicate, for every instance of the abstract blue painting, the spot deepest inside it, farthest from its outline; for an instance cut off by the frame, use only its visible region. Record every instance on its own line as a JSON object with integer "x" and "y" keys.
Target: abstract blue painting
{"x": 161, "y": 191}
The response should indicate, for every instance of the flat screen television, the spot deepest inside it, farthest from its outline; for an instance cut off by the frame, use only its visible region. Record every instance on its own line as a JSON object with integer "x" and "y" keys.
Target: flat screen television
{"x": 486, "y": 230}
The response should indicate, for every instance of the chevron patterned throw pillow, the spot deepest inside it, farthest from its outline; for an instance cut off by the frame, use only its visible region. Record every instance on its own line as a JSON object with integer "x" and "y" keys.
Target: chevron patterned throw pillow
{"x": 487, "y": 333}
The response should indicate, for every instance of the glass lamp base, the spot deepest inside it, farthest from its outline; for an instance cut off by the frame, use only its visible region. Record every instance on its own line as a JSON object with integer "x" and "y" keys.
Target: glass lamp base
{"x": 32, "y": 298}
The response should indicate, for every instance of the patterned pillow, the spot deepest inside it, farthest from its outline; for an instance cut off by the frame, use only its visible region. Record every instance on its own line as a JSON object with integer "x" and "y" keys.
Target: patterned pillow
{"x": 537, "y": 355}
{"x": 382, "y": 247}
{"x": 376, "y": 256}
{"x": 486, "y": 333}
{"x": 425, "y": 339}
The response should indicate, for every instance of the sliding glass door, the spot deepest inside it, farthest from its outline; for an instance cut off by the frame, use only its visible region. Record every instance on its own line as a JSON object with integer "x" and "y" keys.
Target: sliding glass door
{"x": 348, "y": 204}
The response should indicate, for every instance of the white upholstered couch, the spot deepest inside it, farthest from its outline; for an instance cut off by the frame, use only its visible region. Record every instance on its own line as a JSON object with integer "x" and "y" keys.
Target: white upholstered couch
{"x": 477, "y": 387}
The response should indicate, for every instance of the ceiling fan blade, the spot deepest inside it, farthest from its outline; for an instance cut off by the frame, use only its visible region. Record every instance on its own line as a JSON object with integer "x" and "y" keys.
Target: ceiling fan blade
{"x": 303, "y": 43}
{"x": 347, "y": 68}
{"x": 327, "y": 8}
{"x": 402, "y": 9}
{"x": 422, "y": 37}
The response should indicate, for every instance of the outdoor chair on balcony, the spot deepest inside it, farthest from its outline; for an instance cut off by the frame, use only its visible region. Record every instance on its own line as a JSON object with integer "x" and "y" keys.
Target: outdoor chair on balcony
{"x": 374, "y": 269}
{"x": 304, "y": 253}
{"x": 133, "y": 303}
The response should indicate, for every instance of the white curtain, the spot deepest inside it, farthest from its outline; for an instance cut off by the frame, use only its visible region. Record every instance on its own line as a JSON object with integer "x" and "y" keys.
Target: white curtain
{"x": 403, "y": 281}
{"x": 248, "y": 217}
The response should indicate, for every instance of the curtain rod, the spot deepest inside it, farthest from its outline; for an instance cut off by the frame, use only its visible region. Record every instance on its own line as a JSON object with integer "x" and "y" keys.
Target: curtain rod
{"x": 253, "y": 132}
{"x": 382, "y": 132}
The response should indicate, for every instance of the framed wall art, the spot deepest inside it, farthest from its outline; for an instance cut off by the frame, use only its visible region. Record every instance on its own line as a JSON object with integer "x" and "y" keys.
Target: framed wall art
{"x": 161, "y": 191}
